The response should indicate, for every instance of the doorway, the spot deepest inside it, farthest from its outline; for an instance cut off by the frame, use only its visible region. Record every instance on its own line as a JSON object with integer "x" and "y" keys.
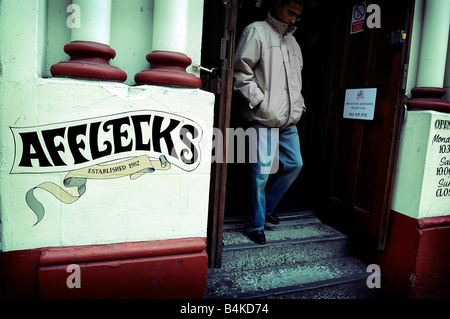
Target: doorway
{"x": 328, "y": 184}
{"x": 315, "y": 39}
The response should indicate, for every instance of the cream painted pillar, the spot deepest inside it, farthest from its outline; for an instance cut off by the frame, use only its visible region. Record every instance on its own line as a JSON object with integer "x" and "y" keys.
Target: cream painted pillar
{"x": 432, "y": 59}
{"x": 170, "y": 25}
{"x": 433, "y": 50}
{"x": 168, "y": 61}
{"x": 95, "y": 23}
{"x": 89, "y": 47}
{"x": 447, "y": 74}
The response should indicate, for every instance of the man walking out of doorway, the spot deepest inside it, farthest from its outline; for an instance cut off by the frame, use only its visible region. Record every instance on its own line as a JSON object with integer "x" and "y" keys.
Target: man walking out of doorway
{"x": 268, "y": 64}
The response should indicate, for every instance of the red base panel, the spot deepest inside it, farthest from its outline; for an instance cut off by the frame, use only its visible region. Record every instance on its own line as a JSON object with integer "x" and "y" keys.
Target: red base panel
{"x": 416, "y": 263}
{"x": 169, "y": 269}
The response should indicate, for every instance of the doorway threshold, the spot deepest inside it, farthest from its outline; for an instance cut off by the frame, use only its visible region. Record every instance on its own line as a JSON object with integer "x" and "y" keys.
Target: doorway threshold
{"x": 303, "y": 258}
{"x": 286, "y": 218}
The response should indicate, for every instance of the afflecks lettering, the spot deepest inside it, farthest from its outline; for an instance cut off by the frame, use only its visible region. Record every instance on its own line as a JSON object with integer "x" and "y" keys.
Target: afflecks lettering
{"x": 78, "y": 144}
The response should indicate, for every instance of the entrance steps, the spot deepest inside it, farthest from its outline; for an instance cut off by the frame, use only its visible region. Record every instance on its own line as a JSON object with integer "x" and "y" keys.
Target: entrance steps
{"x": 302, "y": 259}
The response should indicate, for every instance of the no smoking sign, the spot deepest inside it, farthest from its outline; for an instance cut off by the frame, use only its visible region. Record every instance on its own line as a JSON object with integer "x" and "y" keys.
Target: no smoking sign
{"x": 358, "y": 17}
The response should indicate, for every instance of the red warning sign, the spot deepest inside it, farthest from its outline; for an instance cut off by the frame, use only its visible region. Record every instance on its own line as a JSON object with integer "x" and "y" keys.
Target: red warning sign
{"x": 358, "y": 17}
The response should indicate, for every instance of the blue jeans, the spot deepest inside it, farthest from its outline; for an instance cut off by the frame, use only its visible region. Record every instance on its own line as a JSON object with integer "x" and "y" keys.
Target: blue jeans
{"x": 274, "y": 165}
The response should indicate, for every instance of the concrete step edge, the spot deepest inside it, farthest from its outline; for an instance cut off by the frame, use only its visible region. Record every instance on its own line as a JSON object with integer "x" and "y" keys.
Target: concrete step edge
{"x": 341, "y": 271}
{"x": 251, "y": 245}
{"x": 283, "y": 216}
{"x": 299, "y": 288}
{"x": 283, "y": 224}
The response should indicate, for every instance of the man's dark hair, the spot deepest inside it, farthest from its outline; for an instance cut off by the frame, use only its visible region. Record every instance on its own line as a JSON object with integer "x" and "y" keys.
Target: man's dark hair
{"x": 270, "y": 4}
{"x": 286, "y": 2}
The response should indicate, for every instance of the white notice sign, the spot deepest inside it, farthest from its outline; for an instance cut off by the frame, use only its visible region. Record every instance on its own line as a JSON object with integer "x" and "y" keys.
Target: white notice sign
{"x": 360, "y": 104}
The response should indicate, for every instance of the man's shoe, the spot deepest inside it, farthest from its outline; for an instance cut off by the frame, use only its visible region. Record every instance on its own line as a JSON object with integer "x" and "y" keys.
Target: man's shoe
{"x": 273, "y": 219}
{"x": 257, "y": 236}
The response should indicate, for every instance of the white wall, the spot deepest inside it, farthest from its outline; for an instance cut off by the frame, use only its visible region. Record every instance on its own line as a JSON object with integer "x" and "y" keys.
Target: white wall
{"x": 423, "y": 166}
{"x": 159, "y": 205}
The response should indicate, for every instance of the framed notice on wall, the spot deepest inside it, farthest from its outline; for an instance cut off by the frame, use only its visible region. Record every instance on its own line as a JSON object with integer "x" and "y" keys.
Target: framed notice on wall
{"x": 360, "y": 104}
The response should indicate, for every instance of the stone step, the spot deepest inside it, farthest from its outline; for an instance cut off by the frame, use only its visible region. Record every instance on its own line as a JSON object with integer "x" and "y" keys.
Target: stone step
{"x": 292, "y": 241}
{"x": 303, "y": 258}
{"x": 331, "y": 278}
{"x": 287, "y": 219}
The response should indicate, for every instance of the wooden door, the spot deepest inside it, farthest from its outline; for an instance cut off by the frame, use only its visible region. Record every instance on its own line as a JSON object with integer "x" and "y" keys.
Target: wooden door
{"x": 225, "y": 13}
{"x": 361, "y": 154}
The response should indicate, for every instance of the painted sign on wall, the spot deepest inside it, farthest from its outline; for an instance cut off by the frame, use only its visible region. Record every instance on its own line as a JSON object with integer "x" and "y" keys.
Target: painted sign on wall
{"x": 126, "y": 144}
{"x": 440, "y": 149}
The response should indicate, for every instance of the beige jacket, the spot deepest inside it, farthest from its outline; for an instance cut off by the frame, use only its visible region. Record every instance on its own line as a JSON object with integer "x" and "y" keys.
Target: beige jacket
{"x": 267, "y": 73}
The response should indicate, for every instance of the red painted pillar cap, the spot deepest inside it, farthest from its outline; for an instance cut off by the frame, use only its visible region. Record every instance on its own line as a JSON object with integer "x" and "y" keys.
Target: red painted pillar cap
{"x": 168, "y": 68}
{"x": 428, "y": 98}
{"x": 88, "y": 60}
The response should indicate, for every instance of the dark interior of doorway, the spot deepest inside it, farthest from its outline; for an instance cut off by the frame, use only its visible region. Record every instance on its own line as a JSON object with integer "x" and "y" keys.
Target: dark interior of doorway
{"x": 315, "y": 35}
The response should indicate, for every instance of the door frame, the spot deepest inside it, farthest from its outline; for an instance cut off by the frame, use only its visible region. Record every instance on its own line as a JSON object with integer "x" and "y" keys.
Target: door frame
{"x": 397, "y": 129}
{"x": 219, "y": 170}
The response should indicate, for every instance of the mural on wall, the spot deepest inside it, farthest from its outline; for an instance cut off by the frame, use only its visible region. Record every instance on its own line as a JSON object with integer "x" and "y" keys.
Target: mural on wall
{"x": 114, "y": 146}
